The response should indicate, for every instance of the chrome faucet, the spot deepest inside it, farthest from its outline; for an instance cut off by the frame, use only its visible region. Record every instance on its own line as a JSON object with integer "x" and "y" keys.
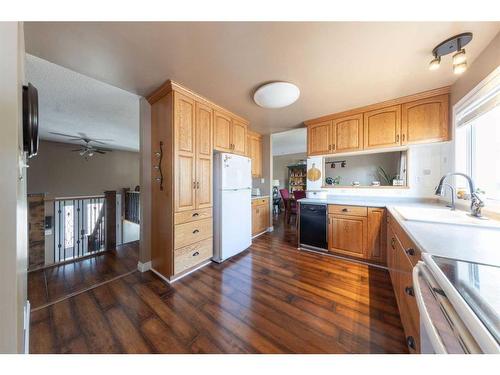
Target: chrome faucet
{"x": 476, "y": 203}
{"x": 452, "y": 192}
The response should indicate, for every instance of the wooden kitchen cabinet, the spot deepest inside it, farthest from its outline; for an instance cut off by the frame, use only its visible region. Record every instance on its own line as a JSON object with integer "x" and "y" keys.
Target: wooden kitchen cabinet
{"x": 230, "y": 134}
{"x": 222, "y": 132}
{"x": 402, "y": 255}
{"x": 254, "y": 152}
{"x": 347, "y": 235}
{"x": 425, "y": 120}
{"x": 185, "y": 153}
{"x": 260, "y": 216}
{"x": 347, "y": 134}
{"x": 183, "y": 124}
{"x": 319, "y": 139}
{"x": 418, "y": 118}
{"x": 376, "y": 242}
{"x": 357, "y": 231}
{"x": 382, "y": 127}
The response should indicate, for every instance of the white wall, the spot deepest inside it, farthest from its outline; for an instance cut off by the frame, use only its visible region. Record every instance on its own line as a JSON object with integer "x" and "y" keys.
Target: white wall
{"x": 145, "y": 181}
{"x": 13, "y": 218}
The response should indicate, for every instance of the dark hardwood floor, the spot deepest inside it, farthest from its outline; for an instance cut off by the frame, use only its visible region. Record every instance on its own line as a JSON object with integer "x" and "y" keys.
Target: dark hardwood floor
{"x": 51, "y": 284}
{"x": 271, "y": 298}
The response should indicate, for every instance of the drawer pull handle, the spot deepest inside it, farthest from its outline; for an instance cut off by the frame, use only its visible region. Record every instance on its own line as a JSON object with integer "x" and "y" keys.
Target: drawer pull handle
{"x": 410, "y": 341}
{"x": 410, "y": 251}
{"x": 196, "y": 231}
{"x": 195, "y": 214}
{"x": 409, "y": 291}
{"x": 345, "y": 210}
{"x": 196, "y": 253}
{"x": 393, "y": 243}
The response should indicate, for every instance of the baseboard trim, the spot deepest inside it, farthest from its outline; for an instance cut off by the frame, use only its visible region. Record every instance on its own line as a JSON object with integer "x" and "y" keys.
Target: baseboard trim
{"x": 174, "y": 279}
{"x": 143, "y": 267}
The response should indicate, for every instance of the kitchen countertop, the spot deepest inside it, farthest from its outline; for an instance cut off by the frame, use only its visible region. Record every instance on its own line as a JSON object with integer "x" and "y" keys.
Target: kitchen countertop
{"x": 472, "y": 244}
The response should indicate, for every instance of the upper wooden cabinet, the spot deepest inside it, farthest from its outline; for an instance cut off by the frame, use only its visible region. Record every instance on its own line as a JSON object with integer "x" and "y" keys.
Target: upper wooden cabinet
{"x": 425, "y": 120}
{"x": 419, "y": 118}
{"x": 222, "y": 132}
{"x": 239, "y": 137}
{"x": 382, "y": 127}
{"x": 204, "y": 155}
{"x": 319, "y": 140}
{"x": 254, "y": 152}
{"x": 230, "y": 134}
{"x": 347, "y": 133}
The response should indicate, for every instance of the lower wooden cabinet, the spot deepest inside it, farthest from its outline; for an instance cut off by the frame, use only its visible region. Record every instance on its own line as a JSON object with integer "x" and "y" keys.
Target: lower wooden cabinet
{"x": 400, "y": 268}
{"x": 357, "y": 231}
{"x": 347, "y": 235}
{"x": 260, "y": 216}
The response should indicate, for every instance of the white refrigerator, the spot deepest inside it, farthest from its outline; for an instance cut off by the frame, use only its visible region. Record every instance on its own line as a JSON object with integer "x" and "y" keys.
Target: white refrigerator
{"x": 232, "y": 205}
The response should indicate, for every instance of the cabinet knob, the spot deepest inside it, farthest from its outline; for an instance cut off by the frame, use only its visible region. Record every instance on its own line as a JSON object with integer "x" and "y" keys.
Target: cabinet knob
{"x": 393, "y": 243}
{"x": 333, "y": 146}
{"x": 196, "y": 231}
{"x": 195, "y": 214}
{"x": 345, "y": 210}
{"x": 410, "y": 341}
{"x": 196, "y": 253}
{"x": 409, "y": 291}
{"x": 403, "y": 137}
{"x": 397, "y": 137}
{"x": 410, "y": 251}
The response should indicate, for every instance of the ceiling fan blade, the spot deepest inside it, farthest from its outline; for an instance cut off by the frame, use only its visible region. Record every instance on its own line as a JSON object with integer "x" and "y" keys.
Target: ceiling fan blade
{"x": 66, "y": 135}
{"x": 103, "y": 149}
{"x": 100, "y": 151}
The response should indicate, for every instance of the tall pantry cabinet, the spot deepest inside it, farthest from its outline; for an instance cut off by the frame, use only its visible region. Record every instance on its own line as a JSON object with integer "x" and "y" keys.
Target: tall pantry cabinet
{"x": 182, "y": 146}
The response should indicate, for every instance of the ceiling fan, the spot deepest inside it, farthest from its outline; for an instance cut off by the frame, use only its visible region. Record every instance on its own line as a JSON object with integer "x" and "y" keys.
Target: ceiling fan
{"x": 87, "y": 149}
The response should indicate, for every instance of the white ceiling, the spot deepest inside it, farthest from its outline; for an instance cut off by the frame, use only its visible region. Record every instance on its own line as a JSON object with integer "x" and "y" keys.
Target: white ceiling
{"x": 289, "y": 142}
{"x": 337, "y": 65}
{"x": 72, "y": 103}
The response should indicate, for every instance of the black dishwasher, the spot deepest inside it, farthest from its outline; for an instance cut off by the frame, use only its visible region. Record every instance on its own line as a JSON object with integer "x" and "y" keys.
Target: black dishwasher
{"x": 313, "y": 226}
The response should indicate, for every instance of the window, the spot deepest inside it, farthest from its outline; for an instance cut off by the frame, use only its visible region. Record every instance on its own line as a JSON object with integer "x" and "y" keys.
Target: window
{"x": 477, "y": 139}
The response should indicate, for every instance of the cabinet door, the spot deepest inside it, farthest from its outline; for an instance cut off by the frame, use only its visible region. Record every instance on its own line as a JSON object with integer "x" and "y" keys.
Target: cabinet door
{"x": 255, "y": 146}
{"x": 204, "y": 152}
{"x": 425, "y": 120}
{"x": 222, "y": 132}
{"x": 185, "y": 164}
{"x": 255, "y": 220}
{"x": 239, "y": 137}
{"x": 319, "y": 139}
{"x": 347, "y": 235}
{"x": 382, "y": 127}
{"x": 391, "y": 251}
{"x": 347, "y": 134}
{"x": 376, "y": 250}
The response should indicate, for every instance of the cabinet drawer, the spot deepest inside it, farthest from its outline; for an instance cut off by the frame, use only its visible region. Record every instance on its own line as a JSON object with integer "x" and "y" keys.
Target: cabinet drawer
{"x": 260, "y": 201}
{"x": 347, "y": 210}
{"x": 192, "y": 255}
{"x": 194, "y": 215}
{"x": 189, "y": 233}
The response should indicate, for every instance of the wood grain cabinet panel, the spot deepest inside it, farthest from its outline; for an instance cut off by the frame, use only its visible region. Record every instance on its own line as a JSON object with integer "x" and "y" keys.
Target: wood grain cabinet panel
{"x": 204, "y": 155}
{"x": 185, "y": 165}
{"x": 260, "y": 215}
{"x": 347, "y": 134}
{"x": 382, "y": 127}
{"x": 239, "y": 137}
{"x": 189, "y": 233}
{"x": 191, "y": 255}
{"x": 222, "y": 132}
{"x": 425, "y": 120}
{"x": 376, "y": 250}
{"x": 319, "y": 138}
{"x": 254, "y": 152}
{"x": 347, "y": 235}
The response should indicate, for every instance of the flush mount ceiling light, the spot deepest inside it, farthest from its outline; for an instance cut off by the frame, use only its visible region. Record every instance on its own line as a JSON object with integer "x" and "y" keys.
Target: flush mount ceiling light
{"x": 454, "y": 44}
{"x": 276, "y": 94}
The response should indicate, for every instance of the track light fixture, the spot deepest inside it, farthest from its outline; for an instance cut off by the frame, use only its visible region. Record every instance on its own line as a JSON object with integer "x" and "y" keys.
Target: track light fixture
{"x": 454, "y": 44}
